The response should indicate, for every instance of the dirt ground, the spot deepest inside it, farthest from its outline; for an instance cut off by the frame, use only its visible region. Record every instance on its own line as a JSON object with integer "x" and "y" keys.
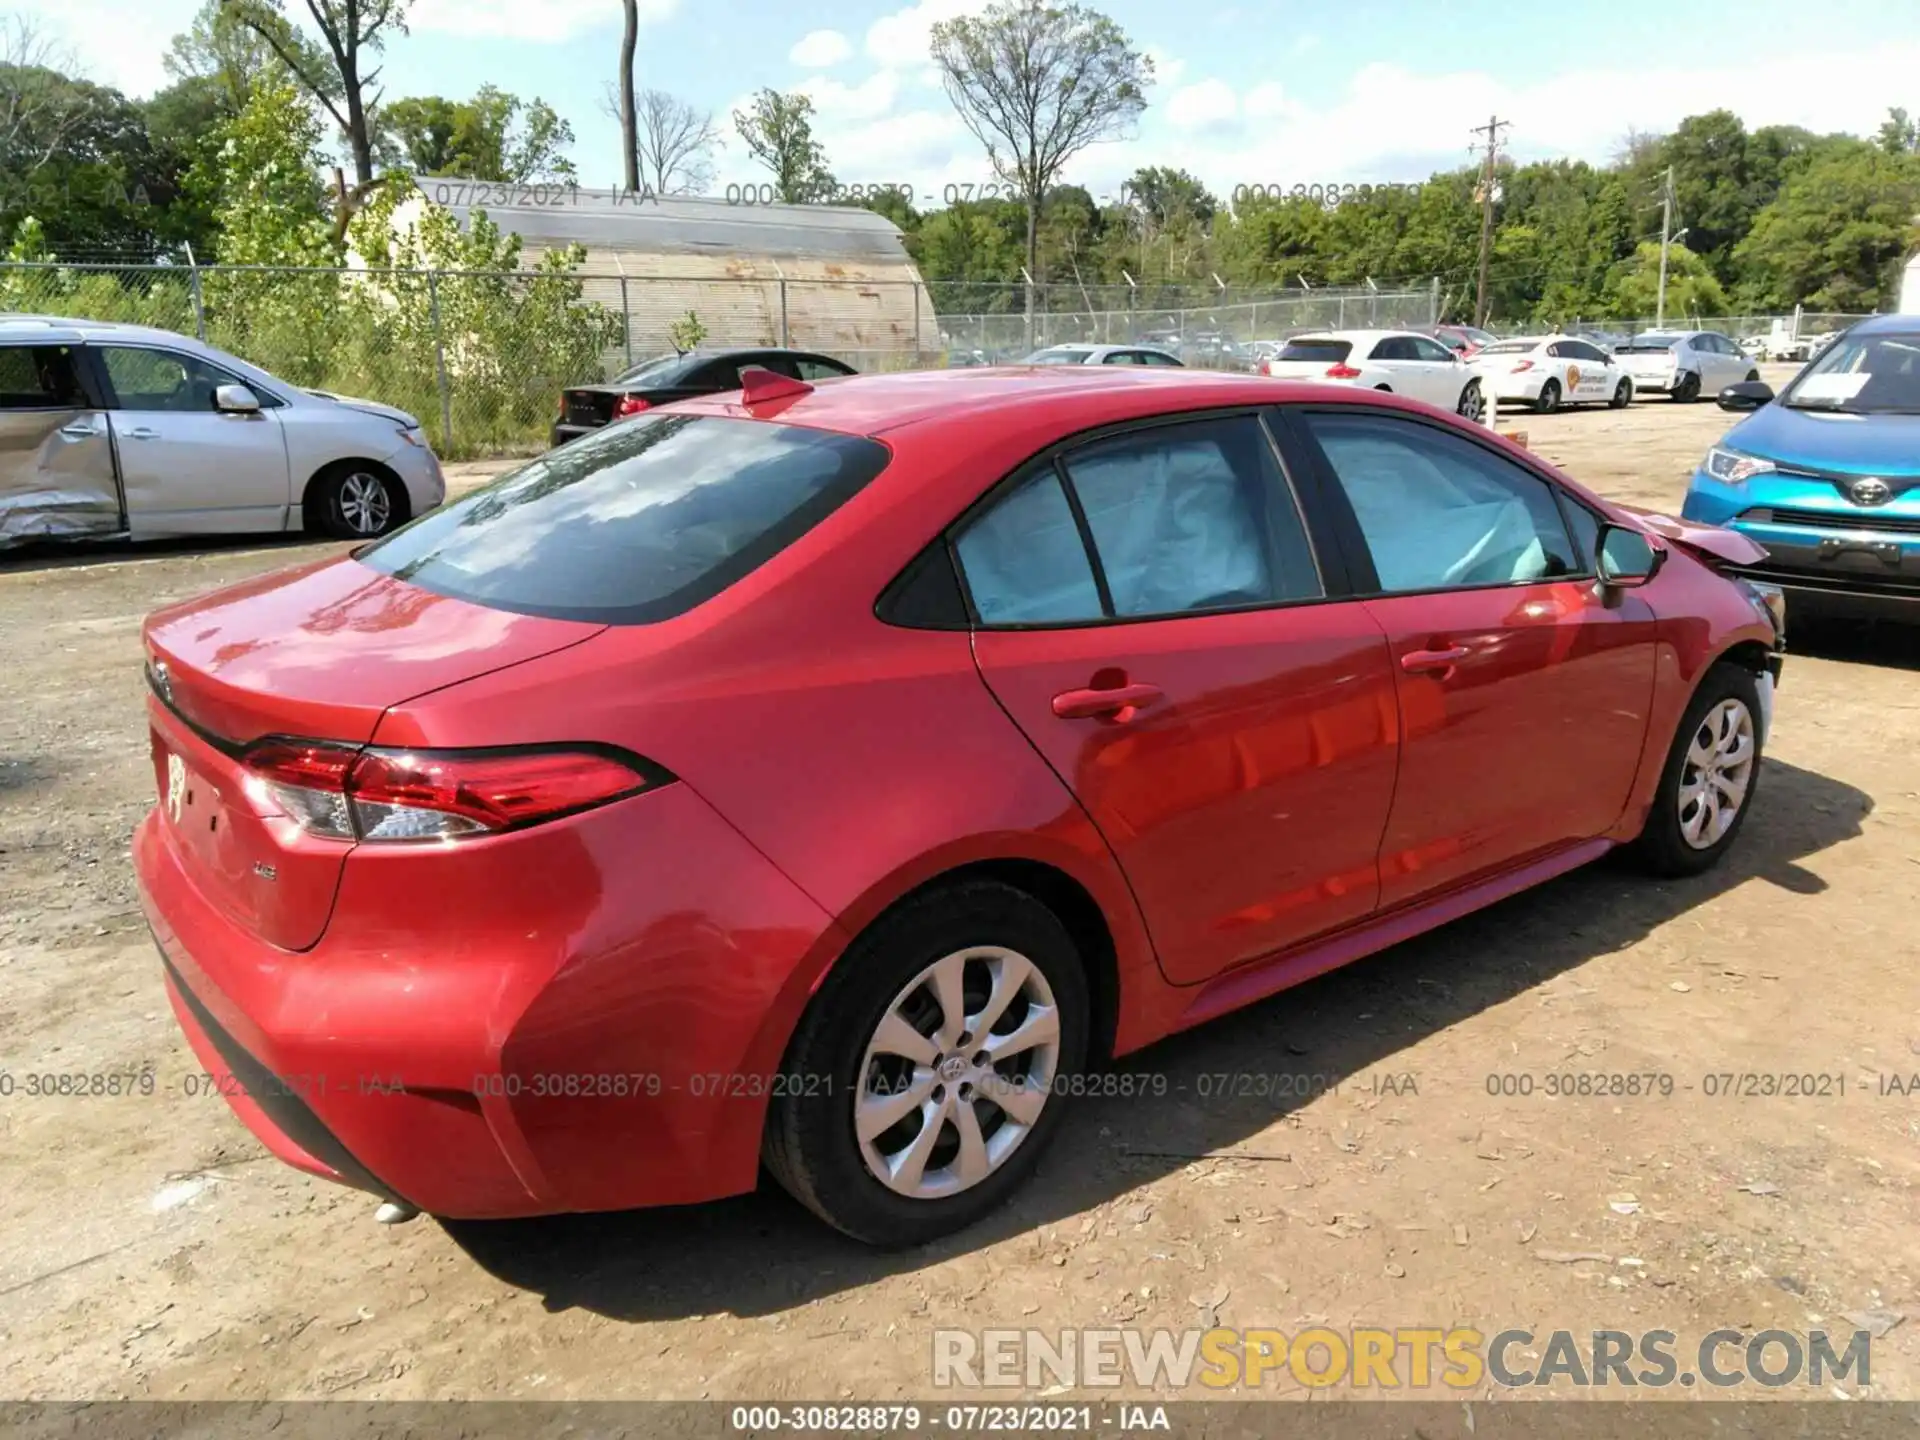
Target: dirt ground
{"x": 150, "y": 1249}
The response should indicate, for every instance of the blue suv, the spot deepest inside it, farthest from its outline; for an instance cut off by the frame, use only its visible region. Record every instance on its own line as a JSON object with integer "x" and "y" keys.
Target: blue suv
{"x": 1826, "y": 476}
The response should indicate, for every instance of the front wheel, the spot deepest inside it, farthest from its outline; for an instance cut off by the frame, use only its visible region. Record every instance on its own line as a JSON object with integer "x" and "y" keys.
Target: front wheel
{"x": 1473, "y": 404}
{"x": 1622, "y": 395}
{"x": 927, "y": 1075}
{"x": 355, "y": 502}
{"x": 1711, "y": 773}
{"x": 1549, "y": 400}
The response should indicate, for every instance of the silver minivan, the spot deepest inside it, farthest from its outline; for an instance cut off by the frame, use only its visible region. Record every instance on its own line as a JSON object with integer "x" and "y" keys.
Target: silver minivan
{"x": 111, "y": 430}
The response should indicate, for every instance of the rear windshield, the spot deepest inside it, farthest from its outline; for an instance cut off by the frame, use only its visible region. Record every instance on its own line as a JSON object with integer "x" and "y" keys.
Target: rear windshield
{"x": 661, "y": 370}
{"x": 1317, "y": 351}
{"x": 637, "y": 522}
{"x": 1647, "y": 345}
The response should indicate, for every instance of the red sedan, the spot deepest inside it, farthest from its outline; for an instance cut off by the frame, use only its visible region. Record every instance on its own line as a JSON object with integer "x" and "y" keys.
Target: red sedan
{"x": 827, "y": 776}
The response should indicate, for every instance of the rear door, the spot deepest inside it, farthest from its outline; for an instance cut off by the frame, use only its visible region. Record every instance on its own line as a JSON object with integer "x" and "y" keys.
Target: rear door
{"x": 1524, "y": 687}
{"x": 1150, "y": 612}
{"x": 1442, "y": 376}
{"x": 57, "y": 477}
{"x": 189, "y": 469}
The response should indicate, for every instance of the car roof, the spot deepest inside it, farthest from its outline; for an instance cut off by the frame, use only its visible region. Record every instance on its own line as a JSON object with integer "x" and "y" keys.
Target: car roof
{"x": 875, "y": 404}
{"x": 65, "y": 329}
{"x": 1882, "y": 324}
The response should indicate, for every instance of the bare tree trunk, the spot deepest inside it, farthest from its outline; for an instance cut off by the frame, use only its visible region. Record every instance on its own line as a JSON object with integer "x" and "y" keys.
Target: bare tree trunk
{"x": 1033, "y": 259}
{"x": 358, "y": 139}
{"x": 629, "y": 135}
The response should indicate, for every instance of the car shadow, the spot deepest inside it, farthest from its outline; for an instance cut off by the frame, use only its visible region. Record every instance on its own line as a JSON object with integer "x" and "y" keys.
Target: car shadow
{"x": 1825, "y": 634}
{"x": 78, "y": 554}
{"x": 763, "y": 1253}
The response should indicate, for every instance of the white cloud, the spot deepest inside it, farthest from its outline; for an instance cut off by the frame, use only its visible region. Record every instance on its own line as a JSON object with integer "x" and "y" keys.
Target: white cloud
{"x": 1206, "y": 105}
{"x": 900, "y": 41}
{"x": 820, "y": 48}
{"x": 109, "y": 42}
{"x": 1267, "y": 100}
{"x": 870, "y": 99}
{"x": 1166, "y": 69}
{"x": 531, "y": 20}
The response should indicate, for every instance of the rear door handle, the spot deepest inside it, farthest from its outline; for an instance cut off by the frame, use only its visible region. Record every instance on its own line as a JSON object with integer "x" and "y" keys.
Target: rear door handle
{"x": 1420, "y": 662}
{"x": 79, "y": 430}
{"x": 141, "y": 432}
{"x": 1088, "y": 704}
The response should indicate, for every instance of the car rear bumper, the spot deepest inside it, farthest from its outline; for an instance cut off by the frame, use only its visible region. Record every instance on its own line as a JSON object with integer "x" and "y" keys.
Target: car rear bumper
{"x": 561, "y": 434}
{"x": 598, "y": 1034}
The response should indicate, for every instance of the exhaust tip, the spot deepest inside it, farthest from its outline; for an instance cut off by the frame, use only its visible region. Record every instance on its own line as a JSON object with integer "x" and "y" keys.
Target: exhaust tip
{"x": 393, "y": 1212}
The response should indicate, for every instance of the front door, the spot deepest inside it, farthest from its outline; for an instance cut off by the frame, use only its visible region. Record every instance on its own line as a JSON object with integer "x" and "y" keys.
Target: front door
{"x": 1524, "y": 687}
{"x": 1152, "y": 616}
{"x": 57, "y": 479}
{"x": 190, "y": 469}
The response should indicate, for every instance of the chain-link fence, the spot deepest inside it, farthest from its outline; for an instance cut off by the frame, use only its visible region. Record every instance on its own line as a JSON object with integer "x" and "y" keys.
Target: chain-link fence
{"x": 481, "y": 357}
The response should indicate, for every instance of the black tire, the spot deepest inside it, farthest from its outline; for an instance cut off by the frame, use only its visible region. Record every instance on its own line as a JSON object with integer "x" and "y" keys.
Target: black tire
{"x": 1473, "y": 403}
{"x": 1753, "y": 377}
{"x": 1384, "y": 389}
{"x": 1549, "y": 400}
{"x": 810, "y": 1146}
{"x": 355, "y": 500}
{"x": 1622, "y": 396}
{"x": 1688, "y": 390}
{"x": 1661, "y": 847}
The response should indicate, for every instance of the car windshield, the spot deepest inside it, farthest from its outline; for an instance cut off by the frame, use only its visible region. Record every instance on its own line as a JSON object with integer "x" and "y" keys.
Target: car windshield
{"x": 1058, "y": 357}
{"x": 658, "y": 370}
{"x": 634, "y": 523}
{"x": 1649, "y": 344}
{"x": 1861, "y": 375}
{"x": 1319, "y": 352}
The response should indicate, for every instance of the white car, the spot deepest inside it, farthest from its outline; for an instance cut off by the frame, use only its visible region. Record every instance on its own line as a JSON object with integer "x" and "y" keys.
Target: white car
{"x": 1685, "y": 364}
{"x": 1101, "y": 355}
{"x": 1548, "y": 371}
{"x": 111, "y": 430}
{"x": 1398, "y": 361}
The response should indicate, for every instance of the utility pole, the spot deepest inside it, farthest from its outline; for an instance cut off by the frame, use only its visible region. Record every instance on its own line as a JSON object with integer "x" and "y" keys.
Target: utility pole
{"x": 1666, "y": 230}
{"x": 1491, "y": 130}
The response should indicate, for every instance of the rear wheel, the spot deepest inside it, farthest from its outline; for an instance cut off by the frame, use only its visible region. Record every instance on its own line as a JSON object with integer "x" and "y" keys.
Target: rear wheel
{"x": 1753, "y": 376}
{"x": 1622, "y": 395}
{"x": 925, "y": 1078}
{"x": 1549, "y": 400}
{"x": 1473, "y": 404}
{"x": 1708, "y": 784}
{"x": 1688, "y": 390}
{"x": 354, "y": 501}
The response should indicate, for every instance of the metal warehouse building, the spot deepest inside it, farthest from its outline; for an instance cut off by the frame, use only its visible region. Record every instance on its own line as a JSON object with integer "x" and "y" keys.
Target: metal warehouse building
{"x": 827, "y": 278}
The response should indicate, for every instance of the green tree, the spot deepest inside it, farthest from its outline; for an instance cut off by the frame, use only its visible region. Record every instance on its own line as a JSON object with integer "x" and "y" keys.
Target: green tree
{"x": 494, "y": 136}
{"x": 1899, "y": 133}
{"x": 219, "y": 49}
{"x": 1633, "y": 289}
{"x": 1834, "y": 237}
{"x": 337, "y": 70}
{"x": 777, "y": 130}
{"x": 1166, "y": 193}
{"x": 1036, "y": 84}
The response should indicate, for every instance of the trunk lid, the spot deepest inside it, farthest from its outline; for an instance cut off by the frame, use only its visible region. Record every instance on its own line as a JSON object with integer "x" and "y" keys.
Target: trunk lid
{"x": 320, "y": 653}
{"x": 587, "y": 406}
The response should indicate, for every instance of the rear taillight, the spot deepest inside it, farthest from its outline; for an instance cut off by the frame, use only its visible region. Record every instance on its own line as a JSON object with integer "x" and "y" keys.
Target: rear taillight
{"x": 629, "y": 405}
{"x": 1342, "y": 371}
{"x": 340, "y": 793}
{"x": 1520, "y": 365}
{"x": 563, "y": 406}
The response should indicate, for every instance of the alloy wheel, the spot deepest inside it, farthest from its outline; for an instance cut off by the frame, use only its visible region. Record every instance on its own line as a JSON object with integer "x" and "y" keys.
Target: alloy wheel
{"x": 364, "y": 503}
{"x": 957, "y": 1072}
{"x": 1473, "y": 403}
{"x": 1716, "y": 774}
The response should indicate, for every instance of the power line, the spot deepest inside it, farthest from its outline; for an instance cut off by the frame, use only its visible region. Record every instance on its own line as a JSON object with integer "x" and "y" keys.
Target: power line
{"x": 1491, "y": 130}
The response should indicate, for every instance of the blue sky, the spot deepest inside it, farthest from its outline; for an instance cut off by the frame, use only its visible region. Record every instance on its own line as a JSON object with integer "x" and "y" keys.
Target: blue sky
{"x": 1274, "y": 92}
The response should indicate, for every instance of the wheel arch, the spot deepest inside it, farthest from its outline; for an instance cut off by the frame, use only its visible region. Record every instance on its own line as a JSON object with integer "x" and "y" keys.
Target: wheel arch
{"x": 310, "y": 493}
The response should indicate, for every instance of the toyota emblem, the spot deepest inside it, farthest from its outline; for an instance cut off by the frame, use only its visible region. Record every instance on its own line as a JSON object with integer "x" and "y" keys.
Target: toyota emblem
{"x": 1870, "y": 491}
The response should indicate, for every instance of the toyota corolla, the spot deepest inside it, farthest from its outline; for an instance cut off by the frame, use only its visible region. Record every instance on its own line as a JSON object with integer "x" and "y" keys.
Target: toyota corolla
{"x": 824, "y": 778}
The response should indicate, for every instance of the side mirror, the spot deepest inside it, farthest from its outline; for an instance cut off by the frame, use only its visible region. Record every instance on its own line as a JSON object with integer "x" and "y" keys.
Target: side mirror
{"x": 1627, "y": 558}
{"x": 1746, "y": 395}
{"x": 235, "y": 400}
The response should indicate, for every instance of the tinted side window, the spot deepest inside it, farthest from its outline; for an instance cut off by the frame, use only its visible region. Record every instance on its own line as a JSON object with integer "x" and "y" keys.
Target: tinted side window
{"x": 1193, "y": 517}
{"x": 1430, "y": 350}
{"x": 162, "y": 379}
{"x": 1392, "y": 348}
{"x": 1585, "y": 526}
{"x": 1024, "y": 560}
{"x": 817, "y": 369}
{"x": 1154, "y": 357}
{"x": 1122, "y": 357}
{"x": 38, "y": 377}
{"x": 1439, "y": 512}
{"x": 717, "y": 375}
{"x": 636, "y": 522}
